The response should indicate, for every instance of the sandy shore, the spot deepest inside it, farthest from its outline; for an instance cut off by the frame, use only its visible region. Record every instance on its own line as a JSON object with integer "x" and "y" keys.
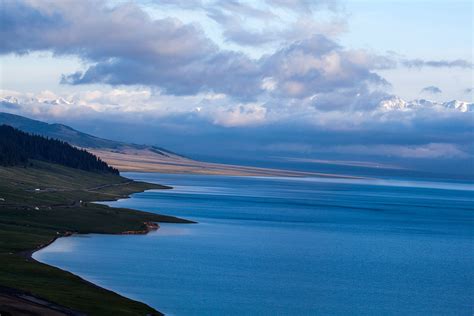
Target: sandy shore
{"x": 148, "y": 161}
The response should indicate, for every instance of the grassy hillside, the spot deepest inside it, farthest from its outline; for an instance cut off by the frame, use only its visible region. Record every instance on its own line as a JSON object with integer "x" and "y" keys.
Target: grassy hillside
{"x": 44, "y": 201}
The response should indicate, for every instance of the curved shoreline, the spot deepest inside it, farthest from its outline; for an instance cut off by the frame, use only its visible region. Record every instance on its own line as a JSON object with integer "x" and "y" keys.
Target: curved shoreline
{"x": 150, "y": 226}
{"x": 26, "y": 300}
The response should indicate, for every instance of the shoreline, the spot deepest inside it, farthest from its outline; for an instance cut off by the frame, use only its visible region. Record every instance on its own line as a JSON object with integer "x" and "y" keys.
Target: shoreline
{"x": 149, "y": 162}
{"x": 150, "y": 226}
{"x": 14, "y": 300}
{"x": 21, "y": 295}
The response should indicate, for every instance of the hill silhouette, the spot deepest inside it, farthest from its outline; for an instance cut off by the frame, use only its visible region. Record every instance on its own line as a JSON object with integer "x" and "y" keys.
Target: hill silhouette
{"x": 17, "y": 148}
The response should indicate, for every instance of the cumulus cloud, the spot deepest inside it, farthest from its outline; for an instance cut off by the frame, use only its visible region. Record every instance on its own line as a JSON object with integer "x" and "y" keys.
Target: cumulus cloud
{"x": 126, "y": 46}
{"x": 431, "y": 90}
{"x": 177, "y": 58}
{"x": 319, "y": 65}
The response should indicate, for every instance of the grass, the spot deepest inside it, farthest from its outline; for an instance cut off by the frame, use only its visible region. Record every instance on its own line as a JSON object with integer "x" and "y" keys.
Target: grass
{"x": 30, "y": 219}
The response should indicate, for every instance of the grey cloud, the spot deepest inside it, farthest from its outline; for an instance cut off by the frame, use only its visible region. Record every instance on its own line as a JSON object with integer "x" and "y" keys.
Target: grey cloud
{"x": 421, "y": 135}
{"x": 243, "y": 9}
{"x": 349, "y": 100}
{"x": 431, "y": 89}
{"x": 319, "y": 128}
{"x": 123, "y": 45}
{"x": 306, "y": 6}
{"x": 415, "y": 129}
{"x": 5, "y": 105}
{"x": 419, "y": 63}
{"x": 224, "y": 72}
{"x": 235, "y": 31}
{"x": 184, "y": 4}
{"x": 233, "y": 16}
{"x": 319, "y": 65}
{"x": 94, "y": 31}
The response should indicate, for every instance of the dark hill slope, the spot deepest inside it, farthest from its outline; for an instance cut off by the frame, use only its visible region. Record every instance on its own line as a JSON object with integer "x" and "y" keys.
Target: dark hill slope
{"x": 72, "y": 136}
{"x": 17, "y": 148}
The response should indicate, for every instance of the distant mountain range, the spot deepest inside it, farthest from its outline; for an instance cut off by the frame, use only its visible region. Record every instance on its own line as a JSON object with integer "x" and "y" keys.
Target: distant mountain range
{"x": 395, "y": 103}
{"x": 74, "y": 137}
{"x": 13, "y": 100}
{"x": 392, "y": 103}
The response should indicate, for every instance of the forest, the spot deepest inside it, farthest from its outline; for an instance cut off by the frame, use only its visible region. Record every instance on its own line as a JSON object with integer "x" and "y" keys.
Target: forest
{"x": 18, "y": 148}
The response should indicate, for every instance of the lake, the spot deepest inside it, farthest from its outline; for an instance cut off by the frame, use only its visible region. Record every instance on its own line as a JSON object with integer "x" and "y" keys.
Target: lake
{"x": 289, "y": 246}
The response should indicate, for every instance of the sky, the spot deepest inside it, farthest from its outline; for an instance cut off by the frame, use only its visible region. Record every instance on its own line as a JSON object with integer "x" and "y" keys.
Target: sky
{"x": 270, "y": 78}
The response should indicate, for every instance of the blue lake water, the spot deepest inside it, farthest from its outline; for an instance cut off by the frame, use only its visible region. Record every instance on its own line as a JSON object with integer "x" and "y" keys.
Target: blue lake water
{"x": 289, "y": 246}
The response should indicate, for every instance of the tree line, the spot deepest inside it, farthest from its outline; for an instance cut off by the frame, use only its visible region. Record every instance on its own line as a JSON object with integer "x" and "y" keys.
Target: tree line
{"x": 17, "y": 148}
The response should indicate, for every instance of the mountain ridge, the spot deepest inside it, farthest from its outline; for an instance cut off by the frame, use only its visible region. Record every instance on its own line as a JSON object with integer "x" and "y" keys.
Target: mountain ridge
{"x": 73, "y": 136}
{"x": 397, "y": 103}
{"x": 19, "y": 148}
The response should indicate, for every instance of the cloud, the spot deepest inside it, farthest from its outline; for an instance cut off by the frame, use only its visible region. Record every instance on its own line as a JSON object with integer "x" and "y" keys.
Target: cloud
{"x": 246, "y": 24}
{"x": 234, "y": 26}
{"x": 9, "y": 105}
{"x": 432, "y": 135}
{"x": 177, "y": 58}
{"x": 425, "y": 151}
{"x": 224, "y": 72}
{"x": 306, "y": 6}
{"x": 419, "y": 63}
{"x": 319, "y": 65}
{"x": 239, "y": 115}
{"x": 305, "y": 94}
{"x": 431, "y": 89}
{"x": 125, "y": 46}
{"x": 259, "y": 127}
{"x": 70, "y": 28}
{"x": 468, "y": 90}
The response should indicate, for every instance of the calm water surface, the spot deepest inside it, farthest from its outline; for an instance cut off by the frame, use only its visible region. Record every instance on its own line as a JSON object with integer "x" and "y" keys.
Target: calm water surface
{"x": 280, "y": 246}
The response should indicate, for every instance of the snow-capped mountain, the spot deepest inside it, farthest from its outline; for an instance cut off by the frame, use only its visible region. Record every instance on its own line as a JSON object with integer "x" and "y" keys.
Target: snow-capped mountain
{"x": 57, "y": 101}
{"x": 396, "y": 103}
{"x": 459, "y": 105}
{"x": 393, "y": 103}
{"x": 9, "y": 99}
{"x": 34, "y": 100}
